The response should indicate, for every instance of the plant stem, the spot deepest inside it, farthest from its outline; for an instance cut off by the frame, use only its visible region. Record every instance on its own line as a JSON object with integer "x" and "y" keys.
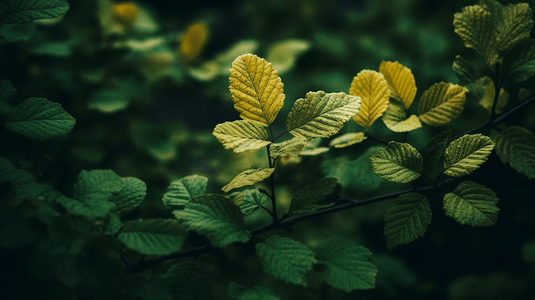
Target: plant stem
{"x": 272, "y": 182}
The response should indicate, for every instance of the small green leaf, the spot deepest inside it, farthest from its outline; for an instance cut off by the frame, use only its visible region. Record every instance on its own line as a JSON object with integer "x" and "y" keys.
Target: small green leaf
{"x": 257, "y": 292}
{"x": 395, "y": 118}
{"x": 97, "y": 185}
{"x": 285, "y": 259}
{"x": 248, "y": 177}
{"x": 24, "y": 11}
{"x": 192, "y": 279}
{"x": 130, "y": 196}
{"x": 109, "y": 101}
{"x": 472, "y": 204}
{"x": 114, "y": 225}
{"x": 466, "y": 154}
{"x": 313, "y": 196}
{"x": 464, "y": 70}
{"x": 39, "y": 119}
{"x": 516, "y": 146}
{"x": 241, "y": 135}
{"x": 346, "y": 266}
{"x": 516, "y": 25}
{"x": 153, "y": 237}
{"x": 407, "y": 220}
{"x": 442, "y": 103}
{"x": 347, "y": 139}
{"x": 519, "y": 62}
{"x": 283, "y": 54}
{"x": 398, "y": 162}
{"x": 252, "y": 199}
{"x": 97, "y": 209}
{"x": 434, "y": 150}
{"x": 311, "y": 148}
{"x": 7, "y": 91}
{"x": 215, "y": 216}
{"x": 180, "y": 192}
{"x": 292, "y": 147}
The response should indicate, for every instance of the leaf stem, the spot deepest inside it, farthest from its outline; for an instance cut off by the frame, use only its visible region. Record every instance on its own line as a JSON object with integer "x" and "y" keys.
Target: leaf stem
{"x": 497, "y": 88}
{"x": 369, "y": 136}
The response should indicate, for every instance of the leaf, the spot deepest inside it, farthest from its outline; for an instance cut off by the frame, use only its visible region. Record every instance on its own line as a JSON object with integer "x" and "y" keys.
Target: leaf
{"x": 225, "y": 59}
{"x": 193, "y": 41}
{"x": 241, "y": 135}
{"x": 109, "y": 101}
{"x": 434, "y": 150}
{"x": 347, "y": 139}
{"x": 516, "y": 146}
{"x": 475, "y": 26}
{"x": 292, "y": 147}
{"x": 24, "y": 11}
{"x": 39, "y": 119}
{"x": 466, "y": 154}
{"x": 248, "y": 177}
{"x": 398, "y": 162}
{"x": 346, "y": 266}
{"x": 464, "y": 70}
{"x": 252, "y": 200}
{"x": 192, "y": 279}
{"x": 180, "y": 192}
{"x": 256, "y": 89}
{"x": 442, "y": 103}
{"x": 400, "y": 80}
{"x": 472, "y": 204}
{"x": 519, "y": 62}
{"x": 153, "y": 237}
{"x": 283, "y": 54}
{"x": 313, "y": 196}
{"x": 96, "y": 209}
{"x": 215, "y": 216}
{"x": 395, "y": 118}
{"x": 374, "y": 92}
{"x": 97, "y": 185}
{"x": 516, "y": 25}
{"x": 125, "y": 13}
{"x": 488, "y": 97}
{"x": 321, "y": 114}
{"x": 285, "y": 259}
{"x": 257, "y": 292}
{"x": 407, "y": 220}
{"x": 130, "y": 196}
{"x": 7, "y": 91}
{"x": 311, "y": 148}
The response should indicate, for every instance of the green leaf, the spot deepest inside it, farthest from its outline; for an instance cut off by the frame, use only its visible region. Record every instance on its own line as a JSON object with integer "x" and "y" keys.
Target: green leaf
{"x": 215, "y": 216}
{"x": 398, "y": 162}
{"x": 7, "y": 91}
{"x": 347, "y": 139}
{"x": 129, "y": 196}
{"x": 519, "y": 62}
{"x": 442, "y": 103}
{"x": 153, "y": 237}
{"x": 313, "y": 196}
{"x": 192, "y": 279}
{"x": 241, "y": 135}
{"x": 346, "y": 266}
{"x": 285, "y": 259}
{"x": 407, "y": 220}
{"x": 252, "y": 199}
{"x": 257, "y": 292}
{"x": 434, "y": 150}
{"x": 292, "y": 147}
{"x": 248, "y": 177}
{"x": 98, "y": 209}
{"x": 464, "y": 70}
{"x": 24, "y": 11}
{"x": 466, "y": 154}
{"x": 321, "y": 114}
{"x": 515, "y": 26}
{"x": 311, "y": 148}
{"x": 109, "y": 101}
{"x": 472, "y": 204}
{"x": 516, "y": 146}
{"x": 180, "y": 192}
{"x": 395, "y": 118}
{"x": 283, "y": 54}
{"x": 489, "y": 92}
{"x": 114, "y": 225}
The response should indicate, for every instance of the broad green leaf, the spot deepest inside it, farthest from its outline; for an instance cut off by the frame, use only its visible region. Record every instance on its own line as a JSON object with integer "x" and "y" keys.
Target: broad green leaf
{"x": 96, "y": 209}
{"x": 257, "y": 292}
{"x": 372, "y": 88}
{"x": 488, "y": 97}
{"x": 7, "y": 91}
{"x": 192, "y": 279}
{"x": 285, "y": 259}
{"x": 475, "y": 26}
{"x": 130, "y": 196}
{"x": 292, "y": 147}
{"x": 347, "y": 139}
{"x": 400, "y": 80}
{"x": 215, "y": 216}
{"x": 466, "y": 154}
{"x": 283, "y": 54}
{"x": 519, "y": 62}
{"x": 114, "y": 225}
{"x": 407, "y": 220}
{"x": 516, "y": 25}
{"x": 241, "y": 135}
{"x": 180, "y": 192}
{"x": 464, "y": 70}
{"x": 472, "y": 204}
{"x": 434, "y": 150}
{"x": 442, "y": 103}
{"x": 153, "y": 236}
{"x": 39, "y": 119}
{"x": 398, "y": 162}
{"x": 256, "y": 89}
{"x": 193, "y": 41}
{"x": 313, "y": 196}
{"x": 395, "y": 118}
{"x": 346, "y": 266}
{"x": 321, "y": 114}
{"x": 24, "y": 11}
{"x": 252, "y": 199}
{"x": 516, "y": 146}
{"x": 248, "y": 177}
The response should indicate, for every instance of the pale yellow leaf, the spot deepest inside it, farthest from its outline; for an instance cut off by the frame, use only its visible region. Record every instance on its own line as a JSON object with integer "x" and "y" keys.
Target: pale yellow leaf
{"x": 372, "y": 88}
{"x": 489, "y": 92}
{"x": 347, "y": 139}
{"x": 241, "y": 135}
{"x": 256, "y": 89}
{"x": 401, "y": 81}
{"x": 395, "y": 118}
{"x": 283, "y": 54}
{"x": 248, "y": 177}
{"x": 442, "y": 103}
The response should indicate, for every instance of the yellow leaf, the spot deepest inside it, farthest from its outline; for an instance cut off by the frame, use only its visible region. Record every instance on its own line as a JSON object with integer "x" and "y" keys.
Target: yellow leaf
{"x": 284, "y": 53}
{"x": 321, "y": 114}
{"x": 373, "y": 89}
{"x": 256, "y": 89}
{"x": 475, "y": 26}
{"x": 347, "y": 139}
{"x": 241, "y": 135}
{"x": 395, "y": 118}
{"x": 292, "y": 147}
{"x": 400, "y": 80}
{"x": 442, "y": 103}
{"x": 489, "y": 92}
{"x": 126, "y": 13}
{"x": 193, "y": 41}
{"x": 248, "y": 177}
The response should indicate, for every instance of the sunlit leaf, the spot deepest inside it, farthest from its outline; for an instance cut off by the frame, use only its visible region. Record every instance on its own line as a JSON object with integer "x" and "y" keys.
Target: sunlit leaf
{"x": 241, "y": 135}
{"x": 398, "y": 162}
{"x": 192, "y": 279}
{"x": 193, "y": 41}
{"x": 472, "y": 204}
{"x": 407, "y": 220}
{"x": 24, "y": 11}
{"x": 321, "y": 114}
{"x": 516, "y": 146}
{"x": 434, "y": 150}
{"x": 252, "y": 200}
{"x": 464, "y": 70}
{"x": 313, "y": 196}
{"x": 283, "y": 54}
{"x": 488, "y": 97}
{"x": 7, "y": 91}
{"x": 292, "y": 147}
{"x": 442, "y": 103}
{"x": 248, "y": 177}
{"x": 346, "y": 266}
{"x": 395, "y": 118}
{"x": 256, "y": 89}
{"x": 347, "y": 139}
{"x": 519, "y": 62}
{"x": 286, "y": 259}
{"x": 240, "y": 292}
{"x": 374, "y": 92}
{"x": 153, "y": 237}
{"x": 400, "y": 80}
{"x": 466, "y": 154}
{"x": 180, "y": 192}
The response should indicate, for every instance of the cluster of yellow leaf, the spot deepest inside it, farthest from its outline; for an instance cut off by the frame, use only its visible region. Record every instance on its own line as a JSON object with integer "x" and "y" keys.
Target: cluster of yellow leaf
{"x": 390, "y": 92}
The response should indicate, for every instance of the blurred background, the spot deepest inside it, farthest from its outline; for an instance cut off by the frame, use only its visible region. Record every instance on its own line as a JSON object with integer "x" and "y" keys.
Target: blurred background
{"x": 147, "y": 81}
